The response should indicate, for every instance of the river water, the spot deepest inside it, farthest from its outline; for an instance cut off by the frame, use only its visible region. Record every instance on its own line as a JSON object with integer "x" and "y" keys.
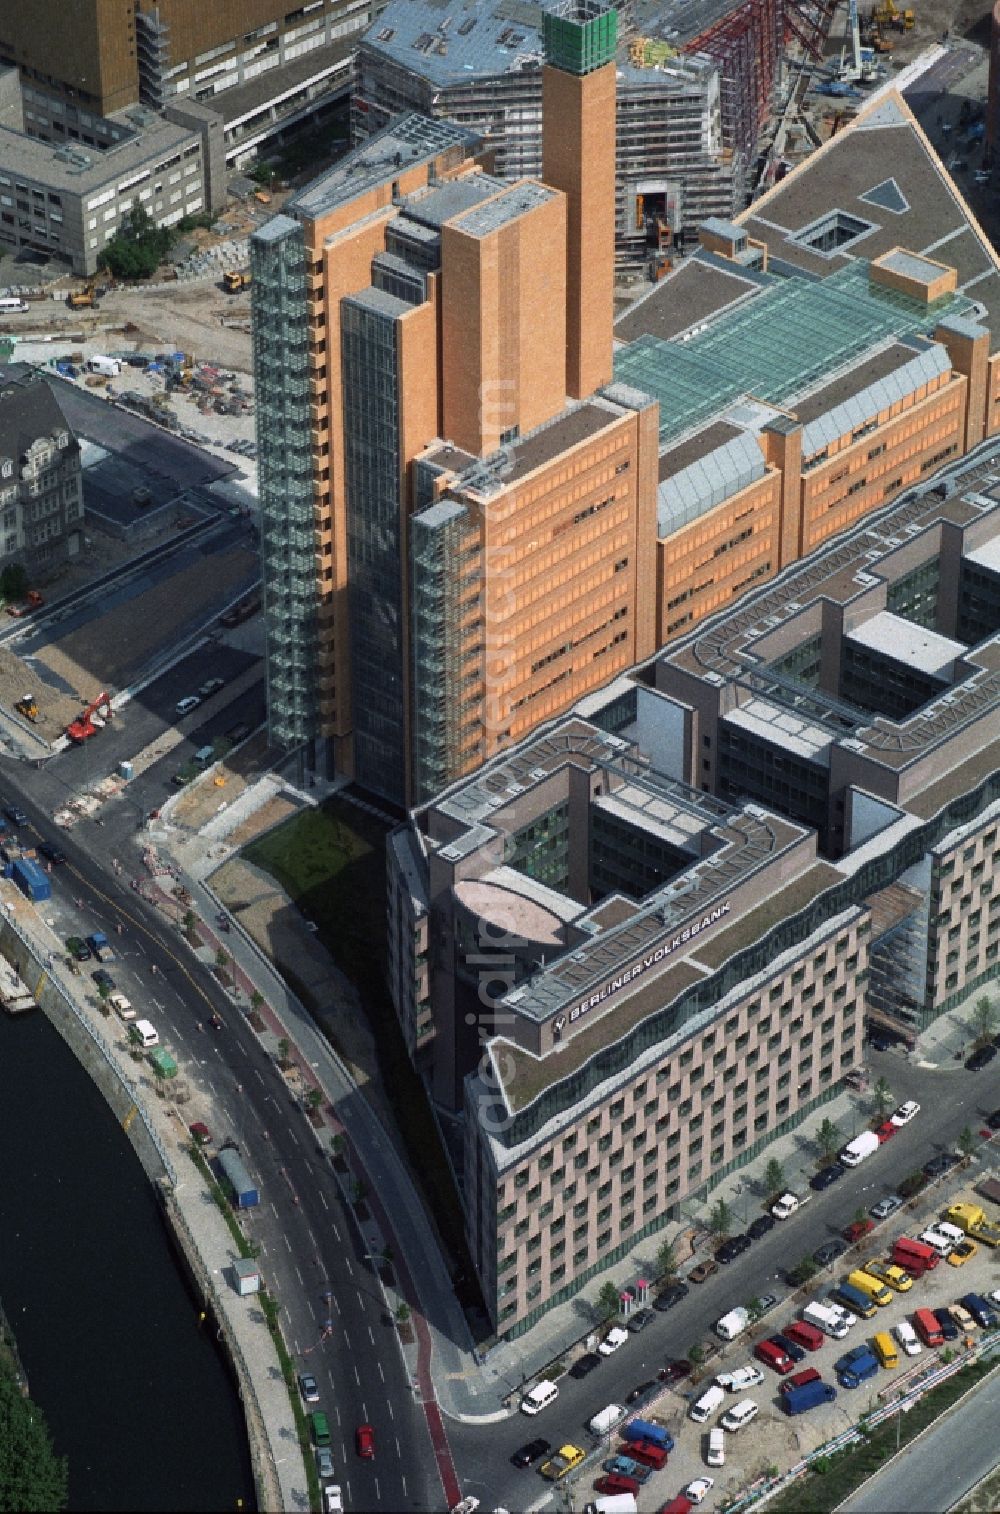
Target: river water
{"x": 136, "y": 1393}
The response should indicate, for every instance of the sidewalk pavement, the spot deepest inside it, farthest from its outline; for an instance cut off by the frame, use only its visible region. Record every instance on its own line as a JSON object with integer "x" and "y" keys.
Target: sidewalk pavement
{"x": 950, "y": 1038}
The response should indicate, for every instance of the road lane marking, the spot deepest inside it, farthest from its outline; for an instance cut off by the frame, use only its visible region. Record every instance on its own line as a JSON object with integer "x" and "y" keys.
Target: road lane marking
{"x": 380, "y": 1372}
{"x": 356, "y": 1377}
{"x": 301, "y": 1279}
{"x": 371, "y": 1337}
{"x": 391, "y": 1415}
{"x": 322, "y": 1198}
{"x": 288, "y": 1244}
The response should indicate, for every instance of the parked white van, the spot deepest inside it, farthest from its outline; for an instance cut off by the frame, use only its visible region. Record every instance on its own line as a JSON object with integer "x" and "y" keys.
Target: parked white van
{"x": 710, "y": 1400}
{"x": 716, "y": 1453}
{"x": 605, "y": 1422}
{"x": 826, "y": 1319}
{"x": 732, "y": 1324}
{"x": 740, "y": 1414}
{"x": 144, "y": 1033}
{"x": 539, "y": 1397}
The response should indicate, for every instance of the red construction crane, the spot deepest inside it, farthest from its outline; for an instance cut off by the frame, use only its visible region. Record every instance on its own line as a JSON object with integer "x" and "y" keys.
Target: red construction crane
{"x": 84, "y": 726}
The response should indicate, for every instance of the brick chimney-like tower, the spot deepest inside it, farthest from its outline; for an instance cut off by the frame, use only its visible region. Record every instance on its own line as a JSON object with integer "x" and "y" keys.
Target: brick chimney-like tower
{"x": 578, "y": 157}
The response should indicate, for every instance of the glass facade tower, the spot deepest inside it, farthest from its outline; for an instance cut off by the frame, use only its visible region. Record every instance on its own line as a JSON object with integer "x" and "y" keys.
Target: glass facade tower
{"x": 284, "y": 461}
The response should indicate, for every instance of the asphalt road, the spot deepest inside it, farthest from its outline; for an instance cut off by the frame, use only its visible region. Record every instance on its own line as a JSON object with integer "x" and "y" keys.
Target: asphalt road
{"x": 310, "y": 1249}
{"x": 950, "y": 1099}
{"x": 939, "y": 1468}
{"x": 142, "y": 721}
{"x": 159, "y": 564}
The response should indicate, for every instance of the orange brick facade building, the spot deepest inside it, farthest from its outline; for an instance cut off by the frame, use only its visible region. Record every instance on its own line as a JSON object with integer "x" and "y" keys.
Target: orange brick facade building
{"x": 482, "y": 498}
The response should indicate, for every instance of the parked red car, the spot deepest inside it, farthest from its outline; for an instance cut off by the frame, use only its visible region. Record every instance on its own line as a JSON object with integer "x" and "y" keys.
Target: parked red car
{"x": 885, "y": 1132}
{"x": 646, "y": 1452}
{"x": 857, "y": 1229}
{"x": 614, "y": 1482}
{"x": 772, "y": 1356}
{"x": 807, "y": 1375}
{"x": 804, "y": 1334}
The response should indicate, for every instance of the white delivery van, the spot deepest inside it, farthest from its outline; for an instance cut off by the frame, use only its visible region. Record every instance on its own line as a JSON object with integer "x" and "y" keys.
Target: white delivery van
{"x": 121, "y": 1006}
{"x": 740, "y": 1414}
{"x": 613, "y": 1503}
{"x": 732, "y": 1324}
{"x": 710, "y": 1400}
{"x": 862, "y": 1146}
{"x": 109, "y": 366}
{"x": 830, "y": 1321}
{"x": 539, "y": 1397}
{"x": 144, "y": 1033}
{"x": 604, "y": 1423}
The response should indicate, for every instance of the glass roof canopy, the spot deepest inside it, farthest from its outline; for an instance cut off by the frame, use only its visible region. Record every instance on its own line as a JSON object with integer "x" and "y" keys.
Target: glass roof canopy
{"x": 784, "y": 342}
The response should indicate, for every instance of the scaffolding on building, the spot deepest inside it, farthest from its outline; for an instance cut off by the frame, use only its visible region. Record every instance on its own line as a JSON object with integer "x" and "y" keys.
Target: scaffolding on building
{"x": 746, "y": 44}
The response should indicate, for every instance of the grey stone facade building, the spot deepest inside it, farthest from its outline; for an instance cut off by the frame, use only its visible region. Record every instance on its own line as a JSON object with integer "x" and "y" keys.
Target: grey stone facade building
{"x": 41, "y": 481}
{"x": 70, "y": 199}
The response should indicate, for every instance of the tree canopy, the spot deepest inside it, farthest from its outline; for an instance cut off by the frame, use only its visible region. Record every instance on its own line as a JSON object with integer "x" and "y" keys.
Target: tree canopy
{"x": 139, "y": 248}
{"x": 32, "y": 1477}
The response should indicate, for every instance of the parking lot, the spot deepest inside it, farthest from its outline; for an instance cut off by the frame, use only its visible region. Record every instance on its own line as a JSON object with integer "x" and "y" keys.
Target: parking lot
{"x": 774, "y": 1439}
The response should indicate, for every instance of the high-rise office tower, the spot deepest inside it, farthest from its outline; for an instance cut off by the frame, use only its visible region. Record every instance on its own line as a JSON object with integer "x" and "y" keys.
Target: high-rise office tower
{"x": 453, "y": 491}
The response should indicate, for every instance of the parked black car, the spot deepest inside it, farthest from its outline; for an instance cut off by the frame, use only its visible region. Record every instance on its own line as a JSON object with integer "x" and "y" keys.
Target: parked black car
{"x": 670, "y": 1295}
{"x": 734, "y": 1247}
{"x": 640, "y": 1391}
{"x": 531, "y": 1452}
{"x": 828, "y": 1253}
{"x": 826, "y": 1176}
{"x": 585, "y": 1364}
{"x": 980, "y": 1059}
{"x": 675, "y": 1369}
{"x": 939, "y": 1165}
{"x": 639, "y": 1321}
{"x": 993, "y": 1120}
{"x": 761, "y": 1226}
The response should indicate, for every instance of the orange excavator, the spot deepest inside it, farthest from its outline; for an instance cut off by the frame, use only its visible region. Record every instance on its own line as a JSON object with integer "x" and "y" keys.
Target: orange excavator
{"x": 86, "y": 725}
